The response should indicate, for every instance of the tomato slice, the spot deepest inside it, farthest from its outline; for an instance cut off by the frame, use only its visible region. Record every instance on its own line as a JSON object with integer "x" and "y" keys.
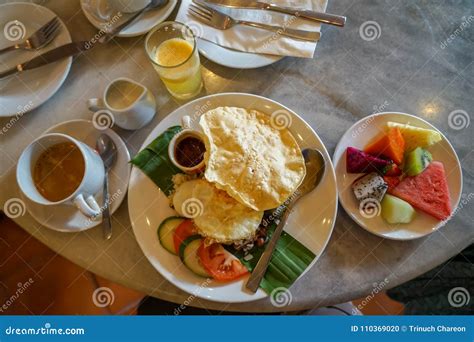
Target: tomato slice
{"x": 182, "y": 232}
{"x": 222, "y": 265}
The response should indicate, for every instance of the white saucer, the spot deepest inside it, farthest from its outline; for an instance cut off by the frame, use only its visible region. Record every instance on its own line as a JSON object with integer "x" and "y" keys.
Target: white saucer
{"x": 233, "y": 58}
{"x": 26, "y": 91}
{"x": 66, "y": 218}
{"x": 359, "y": 135}
{"x": 141, "y": 26}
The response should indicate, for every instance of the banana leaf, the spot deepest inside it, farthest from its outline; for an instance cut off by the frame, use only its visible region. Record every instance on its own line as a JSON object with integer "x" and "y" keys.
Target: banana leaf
{"x": 155, "y": 163}
{"x": 290, "y": 258}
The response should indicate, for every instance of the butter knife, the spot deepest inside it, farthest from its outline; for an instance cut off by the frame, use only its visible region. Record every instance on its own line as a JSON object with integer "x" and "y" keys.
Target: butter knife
{"x": 51, "y": 56}
{"x": 325, "y": 18}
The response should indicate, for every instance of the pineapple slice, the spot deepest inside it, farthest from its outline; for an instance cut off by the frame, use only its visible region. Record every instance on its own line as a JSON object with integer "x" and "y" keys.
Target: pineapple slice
{"x": 416, "y": 136}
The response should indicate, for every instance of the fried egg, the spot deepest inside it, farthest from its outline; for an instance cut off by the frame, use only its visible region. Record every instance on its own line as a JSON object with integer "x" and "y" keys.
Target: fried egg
{"x": 216, "y": 215}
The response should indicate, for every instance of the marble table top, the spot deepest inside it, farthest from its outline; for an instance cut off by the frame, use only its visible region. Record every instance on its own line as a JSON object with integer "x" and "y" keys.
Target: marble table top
{"x": 418, "y": 59}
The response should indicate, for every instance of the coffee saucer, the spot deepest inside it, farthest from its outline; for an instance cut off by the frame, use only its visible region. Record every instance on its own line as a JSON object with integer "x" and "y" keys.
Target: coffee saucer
{"x": 66, "y": 218}
{"x": 99, "y": 14}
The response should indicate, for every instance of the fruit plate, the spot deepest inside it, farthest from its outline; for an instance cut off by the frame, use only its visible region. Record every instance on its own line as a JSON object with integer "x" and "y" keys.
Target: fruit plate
{"x": 359, "y": 135}
{"x": 311, "y": 221}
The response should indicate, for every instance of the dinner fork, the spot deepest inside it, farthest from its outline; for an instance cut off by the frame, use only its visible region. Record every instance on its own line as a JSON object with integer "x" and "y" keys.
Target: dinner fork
{"x": 43, "y": 36}
{"x": 222, "y": 21}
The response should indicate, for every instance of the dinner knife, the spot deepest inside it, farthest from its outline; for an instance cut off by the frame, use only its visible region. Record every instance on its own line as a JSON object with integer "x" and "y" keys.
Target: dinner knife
{"x": 51, "y": 56}
{"x": 326, "y": 18}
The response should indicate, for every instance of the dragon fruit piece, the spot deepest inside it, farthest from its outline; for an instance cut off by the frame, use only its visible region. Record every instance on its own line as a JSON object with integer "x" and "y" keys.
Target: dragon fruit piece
{"x": 371, "y": 185}
{"x": 358, "y": 161}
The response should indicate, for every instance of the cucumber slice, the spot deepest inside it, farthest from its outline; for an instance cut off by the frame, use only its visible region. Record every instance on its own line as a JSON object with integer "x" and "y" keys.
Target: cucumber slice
{"x": 188, "y": 255}
{"x": 166, "y": 230}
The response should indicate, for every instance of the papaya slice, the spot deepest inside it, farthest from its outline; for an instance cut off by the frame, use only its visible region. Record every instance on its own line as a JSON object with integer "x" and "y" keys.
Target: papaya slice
{"x": 390, "y": 145}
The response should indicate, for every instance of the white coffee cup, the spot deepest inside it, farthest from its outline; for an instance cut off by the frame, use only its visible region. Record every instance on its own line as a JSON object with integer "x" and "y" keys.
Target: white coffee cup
{"x": 128, "y": 6}
{"x": 92, "y": 180}
{"x": 131, "y": 104}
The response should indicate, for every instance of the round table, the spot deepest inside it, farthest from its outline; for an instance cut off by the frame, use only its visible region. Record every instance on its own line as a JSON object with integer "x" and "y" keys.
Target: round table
{"x": 419, "y": 61}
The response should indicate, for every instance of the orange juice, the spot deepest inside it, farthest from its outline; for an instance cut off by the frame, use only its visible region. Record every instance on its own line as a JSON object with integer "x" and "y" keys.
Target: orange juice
{"x": 173, "y": 51}
{"x": 178, "y": 66}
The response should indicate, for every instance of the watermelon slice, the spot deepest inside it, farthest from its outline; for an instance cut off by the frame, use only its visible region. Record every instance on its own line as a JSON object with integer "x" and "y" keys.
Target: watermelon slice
{"x": 427, "y": 191}
{"x": 358, "y": 161}
{"x": 392, "y": 182}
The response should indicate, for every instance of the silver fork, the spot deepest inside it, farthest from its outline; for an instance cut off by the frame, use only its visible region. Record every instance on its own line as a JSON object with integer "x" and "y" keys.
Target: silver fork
{"x": 222, "y": 21}
{"x": 43, "y": 36}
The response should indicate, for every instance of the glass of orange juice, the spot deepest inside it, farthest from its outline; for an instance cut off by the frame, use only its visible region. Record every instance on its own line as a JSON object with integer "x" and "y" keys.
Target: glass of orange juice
{"x": 172, "y": 49}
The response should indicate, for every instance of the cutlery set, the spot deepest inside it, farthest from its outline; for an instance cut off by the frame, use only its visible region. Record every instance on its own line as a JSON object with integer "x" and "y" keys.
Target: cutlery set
{"x": 38, "y": 40}
{"x": 212, "y": 17}
{"x": 198, "y": 9}
{"x": 222, "y": 21}
{"x": 320, "y": 17}
{"x": 42, "y": 37}
{"x": 46, "y": 34}
{"x": 51, "y": 56}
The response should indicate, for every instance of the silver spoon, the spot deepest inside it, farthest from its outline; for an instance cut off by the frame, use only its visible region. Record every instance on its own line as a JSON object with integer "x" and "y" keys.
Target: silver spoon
{"x": 108, "y": 152}
{"x": 315, "y": 166}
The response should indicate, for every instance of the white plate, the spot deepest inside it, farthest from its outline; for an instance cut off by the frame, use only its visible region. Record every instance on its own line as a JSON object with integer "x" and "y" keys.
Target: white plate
{"x": 141, "y": 26}
{"x": 311, "y": 223}
{"x": 359, "y": 135}
{"x": 66, "y": 218}
{"x": 26, "y": 91}
{"x": 233, "y": 58}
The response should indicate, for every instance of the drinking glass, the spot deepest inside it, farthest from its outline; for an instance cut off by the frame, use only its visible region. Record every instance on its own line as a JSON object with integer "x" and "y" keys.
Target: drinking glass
{"x": 171, "y": 47}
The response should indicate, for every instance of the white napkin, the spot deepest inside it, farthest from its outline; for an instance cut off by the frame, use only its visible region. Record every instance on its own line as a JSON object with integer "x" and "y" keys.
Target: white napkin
{"x": 250, "y": 39}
